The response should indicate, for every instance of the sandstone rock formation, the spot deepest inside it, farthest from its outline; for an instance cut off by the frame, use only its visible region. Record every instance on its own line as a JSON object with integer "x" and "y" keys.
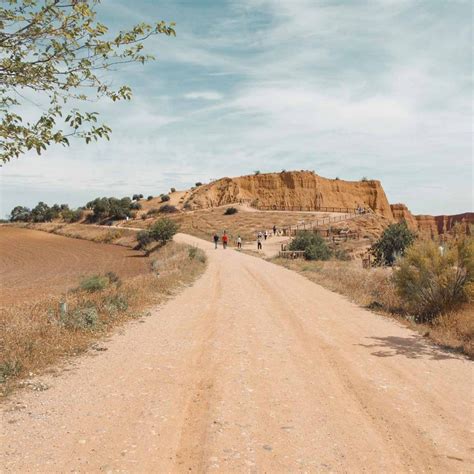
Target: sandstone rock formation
{"x": 302, "y": 190}
{"x": 430, "y": 225}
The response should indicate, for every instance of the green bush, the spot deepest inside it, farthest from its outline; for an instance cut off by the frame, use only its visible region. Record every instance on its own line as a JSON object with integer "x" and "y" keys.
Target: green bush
{"x": 116, "y": 303}
{"x": 318, "y": 251}
{"x": 136, "y": 206}
{"x": 392, "y": 244}
{"x": 312, "y": 244}
{"x": 431, "y": 281}
{"x": 198, "y": 184}
{"x": 168, "y": 209}
{"x": 94, "y": 283}
{"x": 172, "y": 190}
{"x": 149, "y": 198}
{"x": 72, "y": 216}
{"x": 163, "y": 230}
{"x": 81, "y": 318}
{"x": 144, "y": 238}
{"x": 231, "y": 210}
{"x": 165, "y": 198}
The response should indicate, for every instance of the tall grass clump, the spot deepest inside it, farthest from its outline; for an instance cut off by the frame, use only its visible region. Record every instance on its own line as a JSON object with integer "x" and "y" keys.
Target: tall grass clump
{"x": 432, "y": 280}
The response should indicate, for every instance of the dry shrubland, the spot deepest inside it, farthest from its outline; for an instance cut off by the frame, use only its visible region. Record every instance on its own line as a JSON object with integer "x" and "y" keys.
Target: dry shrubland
{"x": 38, "y": 334}
{"x": 425, "y": 283}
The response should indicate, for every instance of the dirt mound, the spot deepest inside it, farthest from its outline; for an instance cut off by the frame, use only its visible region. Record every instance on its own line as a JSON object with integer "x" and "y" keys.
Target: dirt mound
{"x": 294, "y": 190}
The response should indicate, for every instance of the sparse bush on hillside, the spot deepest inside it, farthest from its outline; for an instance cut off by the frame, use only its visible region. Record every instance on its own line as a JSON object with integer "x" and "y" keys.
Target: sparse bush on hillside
{"x": 165, "y": 198}
{"x": 172, "y": 190}
{"x": 314, "y": 246}
{"x": 231, "y": 210}
{"x": 256, "y": 172}
{"x": 144, "y": 238}
{"x": 168, "y": 209}
{"x": 149, "y": 198}
{"x": 431, "y": 280}
{"x": 392, "y": 244}
{"x": 135, "y": 206}
{"x": 198, "y": 184}
{"x": 163, "y": 230}
{"x": 364, "y": 179}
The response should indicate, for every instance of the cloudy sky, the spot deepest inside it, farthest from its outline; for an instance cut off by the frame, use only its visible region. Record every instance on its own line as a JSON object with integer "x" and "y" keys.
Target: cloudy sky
{"x": 376, "y": 88}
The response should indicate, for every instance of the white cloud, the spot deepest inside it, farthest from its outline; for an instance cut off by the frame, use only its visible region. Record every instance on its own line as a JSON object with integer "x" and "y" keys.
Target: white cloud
{"x": 203, "y": 95}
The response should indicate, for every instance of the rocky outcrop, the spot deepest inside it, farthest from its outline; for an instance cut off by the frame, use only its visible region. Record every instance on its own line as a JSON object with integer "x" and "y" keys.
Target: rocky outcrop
{"x": 436, "y": 225}
{"x": 402, "y": 213}
{"x": 292, "y": 190}
{"x": 430, "y": 225}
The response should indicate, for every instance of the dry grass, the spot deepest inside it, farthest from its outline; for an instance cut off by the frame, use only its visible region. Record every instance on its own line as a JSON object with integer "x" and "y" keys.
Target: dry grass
{"x": 34, "y": 336}
{"x": 100, "y": 234}
{"x": 204, "y": 223}
{"x": 373, "y": 289}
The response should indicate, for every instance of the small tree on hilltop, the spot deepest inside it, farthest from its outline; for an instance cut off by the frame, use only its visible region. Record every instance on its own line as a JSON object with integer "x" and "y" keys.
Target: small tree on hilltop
{"x": 20, "y": 214}
{"x": 165, "y": 198}
{"x": 392, "y": 244}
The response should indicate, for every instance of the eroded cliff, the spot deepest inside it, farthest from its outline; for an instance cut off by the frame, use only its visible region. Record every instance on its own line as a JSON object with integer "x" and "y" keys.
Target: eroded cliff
{"x": 292, "y": 190}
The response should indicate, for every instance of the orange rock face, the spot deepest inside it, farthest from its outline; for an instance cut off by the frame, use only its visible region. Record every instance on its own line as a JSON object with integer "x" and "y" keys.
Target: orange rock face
{"x": 429, "y": 225}
{"x": 292, "y": 190}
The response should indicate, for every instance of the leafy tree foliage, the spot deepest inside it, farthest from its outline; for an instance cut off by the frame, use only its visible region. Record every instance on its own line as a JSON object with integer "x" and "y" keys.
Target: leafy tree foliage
{"x": 314, "y": 246}
{"x": 53, "y": 53}
{"x": 110, "y": 208}
{"x": 20, "y": 214}
{"x": 392, "y": 244}
{"x": 163, "y": 230}
{"x": 165, "y": 198}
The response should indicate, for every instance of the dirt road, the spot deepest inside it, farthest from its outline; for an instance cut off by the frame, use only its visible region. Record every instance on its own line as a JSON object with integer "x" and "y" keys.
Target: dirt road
{"x": 252, "y": 369}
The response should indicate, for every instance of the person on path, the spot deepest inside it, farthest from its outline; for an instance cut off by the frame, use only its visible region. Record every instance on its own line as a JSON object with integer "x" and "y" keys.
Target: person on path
{"x": 225, "y": 239}
{"x": 274, "y": 230}
{"x": 239, "y": 242}
{"x": 259, "y": 242}
{"x": 265, "y": 235}
{"x": 216, "y": 240}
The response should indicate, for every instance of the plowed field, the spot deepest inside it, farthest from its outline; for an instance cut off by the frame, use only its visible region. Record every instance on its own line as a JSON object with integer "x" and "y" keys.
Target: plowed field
{"x": 34, "y": 264}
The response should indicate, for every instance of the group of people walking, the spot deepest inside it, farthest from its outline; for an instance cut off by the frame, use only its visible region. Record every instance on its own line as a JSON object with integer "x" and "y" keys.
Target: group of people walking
{"x": 224, "y": 238}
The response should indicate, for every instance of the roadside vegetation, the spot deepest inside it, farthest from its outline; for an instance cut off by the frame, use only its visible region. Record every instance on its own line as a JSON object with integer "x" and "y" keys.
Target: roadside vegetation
{"x": 428, "y": 286}
{"x": 35, "y": 335}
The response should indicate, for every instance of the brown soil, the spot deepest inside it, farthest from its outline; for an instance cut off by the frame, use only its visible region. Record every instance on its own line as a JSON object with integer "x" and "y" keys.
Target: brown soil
{"x": 252, "y": 369}
{"x": 35, "y": 264}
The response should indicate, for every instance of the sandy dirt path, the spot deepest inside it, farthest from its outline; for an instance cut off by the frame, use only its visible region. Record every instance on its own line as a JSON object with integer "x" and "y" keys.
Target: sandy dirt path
{"x": 252, "y": 369}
